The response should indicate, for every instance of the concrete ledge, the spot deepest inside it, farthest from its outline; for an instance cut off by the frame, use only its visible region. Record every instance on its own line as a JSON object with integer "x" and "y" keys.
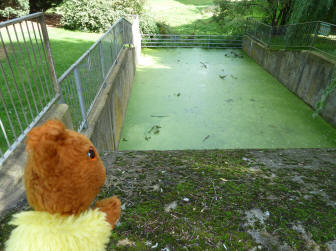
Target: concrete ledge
{"x": 12, "y": 170}
{"x": 106, "y": 118}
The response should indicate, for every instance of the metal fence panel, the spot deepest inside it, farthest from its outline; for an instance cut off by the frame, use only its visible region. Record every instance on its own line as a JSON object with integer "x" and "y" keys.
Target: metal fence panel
{"x": 83, "y": 81}
{"x": 319, "y": 36}
{"x": 186, "y": 41}
{"x": 27, "y": 78}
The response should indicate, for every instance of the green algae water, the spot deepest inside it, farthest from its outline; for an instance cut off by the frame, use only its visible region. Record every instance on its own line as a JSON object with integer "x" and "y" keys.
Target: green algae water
{"x": 215, "y": 99}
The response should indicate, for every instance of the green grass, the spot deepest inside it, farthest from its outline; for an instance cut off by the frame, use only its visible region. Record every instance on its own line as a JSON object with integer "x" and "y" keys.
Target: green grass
{"x": 67, "y": 47}
{"x": 185, "y": 16}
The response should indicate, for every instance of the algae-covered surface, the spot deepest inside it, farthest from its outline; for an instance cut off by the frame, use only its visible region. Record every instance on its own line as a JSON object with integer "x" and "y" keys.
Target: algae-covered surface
{"x": 208, "y": 99}
{"x": 220, "y": 200}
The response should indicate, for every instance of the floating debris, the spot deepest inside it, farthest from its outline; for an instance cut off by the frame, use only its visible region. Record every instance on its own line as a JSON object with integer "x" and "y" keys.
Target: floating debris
{"x": 124, "y": 139}
{"x": 206, "y": 138}
{"x": 229, "y": 100}
{"x": 178, "y": 94}
{"x": 204, "y": 65}
{"x": 222, "y": 76}
{"x": 155, "y": 129}
{"x": 234, "y": 77}
{"x": 159, "y": 116}
{"x": 147, "y": 138}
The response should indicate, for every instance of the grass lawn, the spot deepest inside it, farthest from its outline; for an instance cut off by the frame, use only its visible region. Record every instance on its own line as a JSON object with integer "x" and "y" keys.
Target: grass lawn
{"x": 185, "y": 16}
{"x": 220, "y": 200}
{"x": 67, "y": 46}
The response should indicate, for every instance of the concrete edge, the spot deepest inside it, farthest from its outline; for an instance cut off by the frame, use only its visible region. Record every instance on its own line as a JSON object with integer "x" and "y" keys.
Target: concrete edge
{"x": 98, "y": 106}
{"x": 12, "y": 170}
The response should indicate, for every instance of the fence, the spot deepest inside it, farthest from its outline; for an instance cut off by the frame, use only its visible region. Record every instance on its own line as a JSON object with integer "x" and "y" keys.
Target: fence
{"x": 83, "y": 81}
{"x": 28, "y": 85}
{"x": 187, "y": 41}
{"x": 28, "y": 82}
{"x": 319, "y": 36}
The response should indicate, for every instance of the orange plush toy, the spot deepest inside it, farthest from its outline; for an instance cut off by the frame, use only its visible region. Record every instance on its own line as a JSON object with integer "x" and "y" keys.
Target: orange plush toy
{"x": 64, "y": 174}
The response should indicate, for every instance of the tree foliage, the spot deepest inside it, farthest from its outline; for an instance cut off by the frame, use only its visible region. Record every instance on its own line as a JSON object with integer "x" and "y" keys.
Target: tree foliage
{"x": 313, "y": 10}
{"x": 97, "y": 15}
{"x": 13, "y": 8}
{"x": 277, "y": 12}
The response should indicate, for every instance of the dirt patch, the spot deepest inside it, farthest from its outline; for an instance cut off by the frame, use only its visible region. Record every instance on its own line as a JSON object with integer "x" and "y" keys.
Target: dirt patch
{"x": 53, "y": 20}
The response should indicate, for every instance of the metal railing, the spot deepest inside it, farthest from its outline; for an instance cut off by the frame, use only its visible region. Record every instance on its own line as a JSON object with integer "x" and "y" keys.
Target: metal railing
{"x": 188, "y": 41}
{"x": 28, "y": 85}
{"x": 83, "y": 81}
{"x": 319, "y": 36}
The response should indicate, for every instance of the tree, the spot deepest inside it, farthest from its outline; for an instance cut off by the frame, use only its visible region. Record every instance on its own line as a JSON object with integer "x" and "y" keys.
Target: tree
{"x": 313, "y": 10}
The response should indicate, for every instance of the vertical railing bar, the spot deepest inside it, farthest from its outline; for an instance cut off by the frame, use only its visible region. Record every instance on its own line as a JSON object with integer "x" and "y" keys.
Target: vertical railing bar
{"x": 317, "y": 26}
{"x": 74, "y": 99}
{"x": 4, "y": 130}
{"x": 67, "y": 91}
{"x": 20, "y": 73}
{"x": 80, "y": 96}
{"x": 102, "y": 59}
{"x": 40, "y": 64}
{"x": 25, "y": 69}
{"x": 9, "y": 118}
{"x": 45, "y": 57}
{"x": 12, "y": 100}
{"x": 50, "y": 57}
{"x": 37, "y": 71}
{"x": 13, "y": 76}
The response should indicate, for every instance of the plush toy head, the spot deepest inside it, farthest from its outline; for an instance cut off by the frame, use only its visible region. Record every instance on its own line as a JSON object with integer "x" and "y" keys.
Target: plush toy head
{"x": 64, "y": 172}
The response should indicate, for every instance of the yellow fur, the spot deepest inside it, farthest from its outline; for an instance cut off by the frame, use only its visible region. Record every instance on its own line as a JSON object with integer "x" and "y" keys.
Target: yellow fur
{"x": 43, "y": 231}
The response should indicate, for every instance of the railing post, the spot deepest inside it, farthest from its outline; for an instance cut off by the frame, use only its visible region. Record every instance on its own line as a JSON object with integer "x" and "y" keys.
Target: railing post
{"x": 270, "y": 37}
{"x": 317, "y": 26}
{"x": 50, "y": 58}
{"x": 101, "y": 55}
{"x": 80, "y": 96}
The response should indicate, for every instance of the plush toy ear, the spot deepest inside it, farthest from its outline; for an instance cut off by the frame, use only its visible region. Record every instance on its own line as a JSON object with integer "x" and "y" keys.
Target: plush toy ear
{"x": 42, "y": 142}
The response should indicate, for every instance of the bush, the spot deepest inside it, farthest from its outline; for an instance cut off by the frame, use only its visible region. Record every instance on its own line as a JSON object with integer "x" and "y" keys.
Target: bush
{"x": 42, "y": 5}
{"x": 13, "y": 8}
{"x": 97, "y": 15}
{"x": 231, "y": 15}
{"x": 148, "y": 25}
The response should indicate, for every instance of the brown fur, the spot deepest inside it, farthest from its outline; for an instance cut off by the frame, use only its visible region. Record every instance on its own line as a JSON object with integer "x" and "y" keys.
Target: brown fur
{"x": 60, "y": 177}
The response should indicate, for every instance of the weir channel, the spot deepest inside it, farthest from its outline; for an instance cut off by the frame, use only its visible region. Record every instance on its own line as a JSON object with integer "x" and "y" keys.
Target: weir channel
{"x": 215, "y": 99}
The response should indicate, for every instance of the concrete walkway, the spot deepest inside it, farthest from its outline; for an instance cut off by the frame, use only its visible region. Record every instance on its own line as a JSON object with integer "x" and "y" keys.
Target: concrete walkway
{"x": 207, "y": 99}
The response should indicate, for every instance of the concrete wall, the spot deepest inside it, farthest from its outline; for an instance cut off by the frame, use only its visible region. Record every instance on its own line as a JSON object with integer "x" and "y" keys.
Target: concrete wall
{"x": 107, "y": 116}
{"x": 12, "y": 170}
{"x": 305, "y": 73}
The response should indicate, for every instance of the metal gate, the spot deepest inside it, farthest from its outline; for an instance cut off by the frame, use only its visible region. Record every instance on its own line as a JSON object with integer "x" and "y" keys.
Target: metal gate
{"x": 188, "y": 41}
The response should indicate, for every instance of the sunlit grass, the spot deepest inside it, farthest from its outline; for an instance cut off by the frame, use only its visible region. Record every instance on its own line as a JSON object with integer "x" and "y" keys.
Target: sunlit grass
{"x": 185, "y": 16}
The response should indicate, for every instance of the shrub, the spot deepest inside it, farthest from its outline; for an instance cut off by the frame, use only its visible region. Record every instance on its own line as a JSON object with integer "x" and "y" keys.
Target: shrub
{"x": 148, "y": 25}
{"x": 97, "y": 15}
{"x": 13, "y": 8}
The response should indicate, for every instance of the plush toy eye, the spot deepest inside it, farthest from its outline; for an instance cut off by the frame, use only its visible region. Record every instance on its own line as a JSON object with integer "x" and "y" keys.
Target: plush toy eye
{"x": 91, "y": 154}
